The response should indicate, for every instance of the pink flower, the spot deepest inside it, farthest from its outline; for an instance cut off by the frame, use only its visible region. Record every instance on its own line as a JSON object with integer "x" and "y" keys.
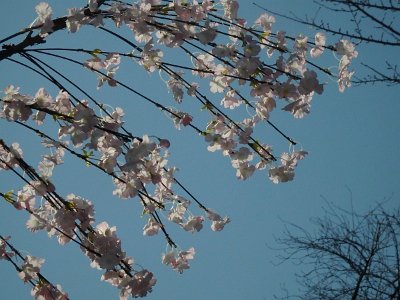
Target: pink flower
{"x": 3, "y": 252}
{"x": 44, "y": 18}
{"x": 345, "y": 47}
{"x": 291, "y": 160}
{"x": 26, "y": 197}
{"x": 230, "y": 101}
{"x": 15, "y": 105}
{"x": 178, "y": 261}
{"x": 344, "y": 77}
{"x": 207, "y": 35}
{"x": 151, "y": 228}
{"x": 320, "y": 41}
{"x": 175, "y": 85}
{"x": 30, "y": 268}
{"x": 264, "y": 107}
{"x": 150, "y": 58}
{"x": 105, "y": 242}
{"x": 265, "y": 21}
{"x": 285, "y": 172}
{"x": 46, "y": 291}
{"x": 281, "y": 174}
{"x": 137, "y": 286}
{"x": 95, "y": 63}
{"x": 218, "y": 223}
{"x": 193, "y": 224}
{"x": 43, "y": 10}
{"x": 62, "y": 104}
{"x": 309, "y": 83}
{"x": 128, "y": 188}
{"x": 301, "y": 107}
{"x": 75, "y": 19}
{"x": 231, "y": 8}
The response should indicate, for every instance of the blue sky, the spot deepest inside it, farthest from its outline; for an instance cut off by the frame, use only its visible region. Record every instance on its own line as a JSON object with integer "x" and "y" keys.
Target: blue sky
{"x": 352, "y": 139}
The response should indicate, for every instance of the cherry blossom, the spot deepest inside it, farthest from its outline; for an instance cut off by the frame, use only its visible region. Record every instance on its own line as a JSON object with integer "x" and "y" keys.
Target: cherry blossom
{"x": 42, "y": 100}
{"x": 105, "y": 242}
{"x": 139, "y": 285}
{"x": 230, "y": 101}
{"x": 264, "y": 107}
{"x": 218, "y": 223}
{"x": 301, "y": 107}
{"x": 110, "y": 64}
{"x": 150, "y": 58}
{"x": 320, "y": 41}
{"x": 46, "y": 291}
{"x": 193, "y": 224}
{"x": 285, "y": 172}
{"x": 30, "y": 272}
{"x": 281, "y": 174}
{"x": 151, "y": 228}
{"x": 344, "y": 74}
{"x": 265, "y": 21}
{"x": 207, "y": 35}
{"x": 9, "y": 158}
{"x": 230, "y": 9}
{"x": 15, "y": 105}
{"x": 176, "y": 87}
{"x": 65, "y": 218}
{"x": 75, "y": 19}
{"x": 345, "y": 47}
{"x": 178, "y": 261}
{"x": 177, "y": 212}
{"x": 26, "y": 198}
{"x": 4, "y": 254}
{"x": 44, "y": 20}
{"x": 30, "y": 268}
{"x": 309, "y": 83}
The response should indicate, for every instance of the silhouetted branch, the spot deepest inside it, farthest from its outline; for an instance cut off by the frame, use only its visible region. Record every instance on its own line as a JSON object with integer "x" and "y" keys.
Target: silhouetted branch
{"x": 349, "y": 256}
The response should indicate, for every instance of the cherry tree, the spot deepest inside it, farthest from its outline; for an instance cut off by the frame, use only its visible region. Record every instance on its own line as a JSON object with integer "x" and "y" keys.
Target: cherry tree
{"x": 238, "y": 71}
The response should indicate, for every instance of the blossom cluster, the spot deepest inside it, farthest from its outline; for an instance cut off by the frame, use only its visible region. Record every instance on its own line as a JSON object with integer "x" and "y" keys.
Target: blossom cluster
{"x": 230, "y": 60}
{"x": 228, "y": 67}
{"x": 71, "y": 219}
{"x": 134, "y": 163}
{"x": 29, "y": 271}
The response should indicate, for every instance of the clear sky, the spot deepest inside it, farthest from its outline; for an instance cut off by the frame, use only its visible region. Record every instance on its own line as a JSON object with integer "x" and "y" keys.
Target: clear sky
{"x": 352, "y": 138}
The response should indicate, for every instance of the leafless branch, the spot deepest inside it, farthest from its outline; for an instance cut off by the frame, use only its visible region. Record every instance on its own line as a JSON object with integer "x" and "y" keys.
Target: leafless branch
{"x": 349, "y": 256}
